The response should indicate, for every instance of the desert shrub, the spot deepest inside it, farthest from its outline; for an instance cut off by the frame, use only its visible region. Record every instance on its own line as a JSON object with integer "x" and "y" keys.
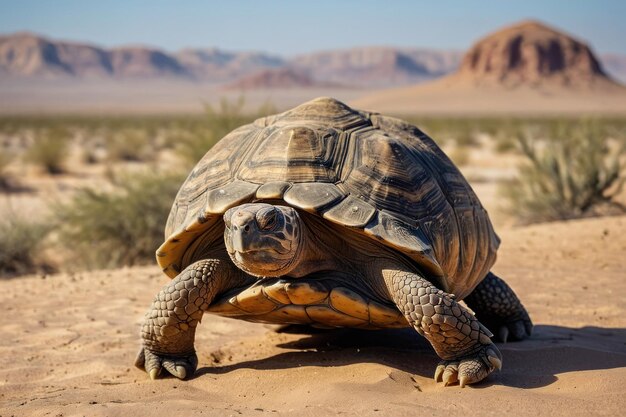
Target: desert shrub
{"x": 49, "y": 150}
{"x": 89, "y": 155}
{"x": 20, "y": 244}
{"x": 192, "y": 144}
{"x": 572, "y": 174}
{"x": 506, "y": 142}
{"x": 465, "y": 138}
{"x": 122, "y": 226}
{"x": 5, "y": 159}
{"x": 130, "y": 145}
{"x": 506, "y": 137}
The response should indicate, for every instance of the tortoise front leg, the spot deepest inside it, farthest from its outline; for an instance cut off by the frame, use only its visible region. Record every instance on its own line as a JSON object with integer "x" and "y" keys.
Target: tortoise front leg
{"x": 169, "y": 327}
{"x": 457, "y": 336}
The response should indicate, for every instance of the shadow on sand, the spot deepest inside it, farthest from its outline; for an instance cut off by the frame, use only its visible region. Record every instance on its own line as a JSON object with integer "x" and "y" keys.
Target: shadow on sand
{"x": 532, "y": 363}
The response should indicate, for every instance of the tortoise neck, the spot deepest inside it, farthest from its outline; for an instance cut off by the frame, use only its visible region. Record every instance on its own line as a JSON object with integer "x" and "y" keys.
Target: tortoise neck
{"x": 318, "y": 250}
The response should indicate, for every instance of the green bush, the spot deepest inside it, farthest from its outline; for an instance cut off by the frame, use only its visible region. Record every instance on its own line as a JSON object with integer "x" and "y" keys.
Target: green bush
{"x": 20, "y": 244}
{"x": 572, "y": 174}
{"x": 50, "y": 149}
{"x": 122, "y": 226}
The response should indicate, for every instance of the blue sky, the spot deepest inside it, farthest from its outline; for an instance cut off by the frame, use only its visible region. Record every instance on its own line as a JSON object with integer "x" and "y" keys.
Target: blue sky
{"x": 290, "y": 27}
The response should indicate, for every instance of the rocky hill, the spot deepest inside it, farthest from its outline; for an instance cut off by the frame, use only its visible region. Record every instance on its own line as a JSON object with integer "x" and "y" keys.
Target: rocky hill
{"x": 615, "y": 65}
{"x": 526, "y": 68}
{"x": 25, "y": 55}
{"x": 531, "y": 54}
{"x": 213, "y": 64}
{"x": 378, "y": 66}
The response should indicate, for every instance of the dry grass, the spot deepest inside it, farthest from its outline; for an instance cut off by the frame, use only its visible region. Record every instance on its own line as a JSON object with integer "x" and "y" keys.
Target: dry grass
{"x": 50, "y": 149}
{"x": 124, "y": 226}
{"x": 20, "y": 244}
{"x": 192, "y": 144}
{"x": 130, "y": 145}
{"x": 5, "y": 160}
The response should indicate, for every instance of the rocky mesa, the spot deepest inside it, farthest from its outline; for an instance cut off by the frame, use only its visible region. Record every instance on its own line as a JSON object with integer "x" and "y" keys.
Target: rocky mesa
{"x": 528, "y": 67}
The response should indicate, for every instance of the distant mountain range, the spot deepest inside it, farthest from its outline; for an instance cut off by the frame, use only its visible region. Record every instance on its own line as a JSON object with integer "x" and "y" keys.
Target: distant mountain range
{"x": 27, "y": 55}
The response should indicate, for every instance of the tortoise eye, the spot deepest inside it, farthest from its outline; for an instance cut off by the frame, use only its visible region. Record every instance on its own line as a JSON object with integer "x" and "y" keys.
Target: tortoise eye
{"x": 267, "y": 219}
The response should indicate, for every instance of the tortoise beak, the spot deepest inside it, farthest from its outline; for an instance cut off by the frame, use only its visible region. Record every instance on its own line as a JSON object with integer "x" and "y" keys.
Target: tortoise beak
{"x": 243, "y": 225}
{"x": 237, "y": 242}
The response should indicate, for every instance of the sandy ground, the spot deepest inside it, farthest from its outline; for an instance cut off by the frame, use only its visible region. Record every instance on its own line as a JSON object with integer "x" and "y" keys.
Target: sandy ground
{"x": 68, "y": 344}
{"x": 441, "y": 97}
{"x": 451, "y": 95}
{"x": 145, "y": 97}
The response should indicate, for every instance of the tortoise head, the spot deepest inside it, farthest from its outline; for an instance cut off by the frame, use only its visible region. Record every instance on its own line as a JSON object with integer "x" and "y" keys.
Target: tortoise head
{"x": 264, "y": 240}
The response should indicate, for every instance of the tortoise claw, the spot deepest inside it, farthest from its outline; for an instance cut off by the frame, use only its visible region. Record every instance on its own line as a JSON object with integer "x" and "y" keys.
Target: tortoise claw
{"x": 470, "y": 369}
{"x": 439, "y": 372}
{"x": 180, "y": 366}
{"x": 513, "y": 330}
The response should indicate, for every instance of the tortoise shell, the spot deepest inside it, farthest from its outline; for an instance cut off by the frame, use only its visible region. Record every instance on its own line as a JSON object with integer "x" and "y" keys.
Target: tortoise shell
{"x": 376, "y": 175}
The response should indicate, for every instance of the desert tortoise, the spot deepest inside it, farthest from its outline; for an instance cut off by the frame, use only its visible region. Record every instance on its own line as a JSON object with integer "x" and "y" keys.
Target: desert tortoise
{"x": 333, "y": 217}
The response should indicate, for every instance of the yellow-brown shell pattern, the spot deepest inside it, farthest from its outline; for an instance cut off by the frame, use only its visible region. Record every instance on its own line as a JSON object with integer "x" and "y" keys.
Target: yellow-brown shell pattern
{"x": 376, "y": 175}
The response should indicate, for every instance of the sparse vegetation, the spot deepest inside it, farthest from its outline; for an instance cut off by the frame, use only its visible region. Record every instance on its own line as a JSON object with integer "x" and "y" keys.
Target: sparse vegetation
{"x": 5, "y": 159}
{"x": 570, "y": 172}
{"x": 130, "y": 145}
{"x": 20, "y": 244}
{"x": 49, "y": 150}
{"x": 123, "y": 226}
{"x": 193, "y": 144}
{"x": 574, "y": 172}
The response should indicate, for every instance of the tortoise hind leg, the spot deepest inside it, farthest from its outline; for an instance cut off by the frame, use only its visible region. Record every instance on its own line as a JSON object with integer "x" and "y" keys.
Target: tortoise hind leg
{"x": 497, "y": 306}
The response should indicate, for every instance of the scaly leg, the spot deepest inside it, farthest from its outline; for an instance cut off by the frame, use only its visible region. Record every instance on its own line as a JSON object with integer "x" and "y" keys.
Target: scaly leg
{"x": 457, "y": 336}
{"x": 496, "y": 305}
{"x": 169, "y": 327}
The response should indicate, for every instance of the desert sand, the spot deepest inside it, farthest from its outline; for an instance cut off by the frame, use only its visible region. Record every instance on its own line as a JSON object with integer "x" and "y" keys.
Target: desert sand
{"x": 145, "y": 97}
{"x": 69, "y": 342}
{"x": 458, "y": 97}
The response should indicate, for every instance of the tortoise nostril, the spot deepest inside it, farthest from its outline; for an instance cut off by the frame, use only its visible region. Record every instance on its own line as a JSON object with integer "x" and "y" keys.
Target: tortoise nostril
{"x": 246, "y": 228}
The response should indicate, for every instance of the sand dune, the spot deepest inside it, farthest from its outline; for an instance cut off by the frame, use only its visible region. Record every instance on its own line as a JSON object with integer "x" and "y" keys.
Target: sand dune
{"x": 69, "y": 342}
